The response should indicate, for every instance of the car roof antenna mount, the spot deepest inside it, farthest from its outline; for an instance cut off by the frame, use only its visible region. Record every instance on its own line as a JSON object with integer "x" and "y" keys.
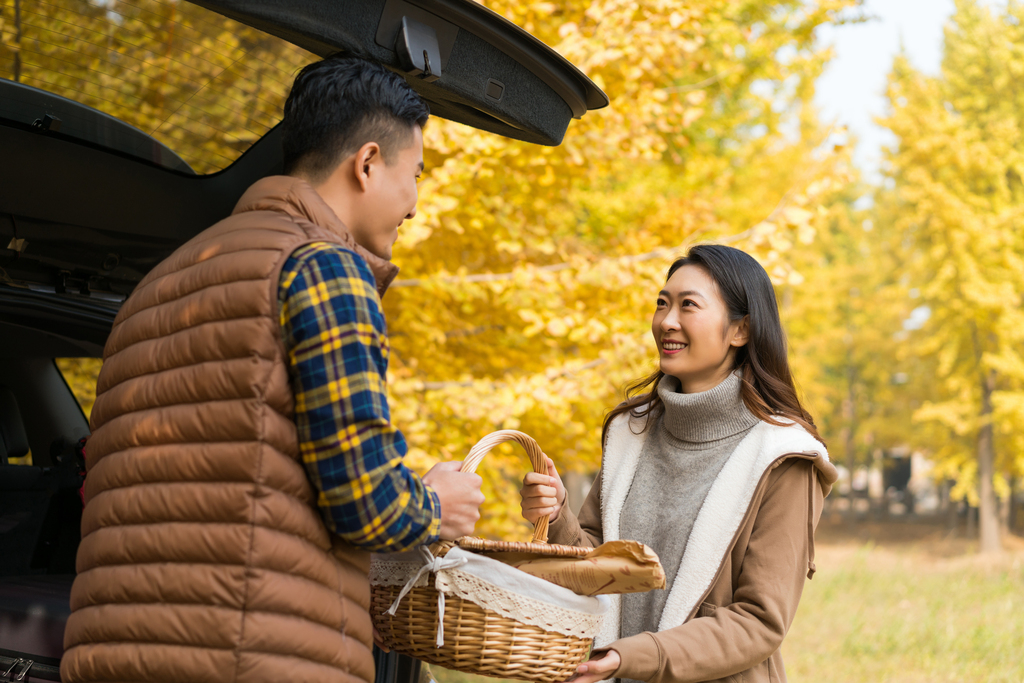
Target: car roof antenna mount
{"x": 418, "y": 50}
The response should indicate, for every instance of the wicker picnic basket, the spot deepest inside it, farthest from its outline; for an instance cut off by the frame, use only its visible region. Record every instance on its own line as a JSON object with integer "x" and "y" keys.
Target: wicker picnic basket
{"x": 477, "y": 639}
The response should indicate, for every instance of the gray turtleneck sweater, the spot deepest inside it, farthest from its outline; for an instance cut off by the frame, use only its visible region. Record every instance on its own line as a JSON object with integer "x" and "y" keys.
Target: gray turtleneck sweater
{"x": 681, "y": 457}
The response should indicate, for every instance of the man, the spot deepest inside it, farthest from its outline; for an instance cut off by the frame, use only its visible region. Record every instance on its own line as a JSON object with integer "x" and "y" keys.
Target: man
{"x": 242, "y": 462}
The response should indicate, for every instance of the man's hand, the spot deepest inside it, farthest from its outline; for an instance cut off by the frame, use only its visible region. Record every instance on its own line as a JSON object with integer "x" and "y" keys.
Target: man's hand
{"x": 603, "y": 666}
{"x": 460, "y": 496}
{"x": 542, "y": 494}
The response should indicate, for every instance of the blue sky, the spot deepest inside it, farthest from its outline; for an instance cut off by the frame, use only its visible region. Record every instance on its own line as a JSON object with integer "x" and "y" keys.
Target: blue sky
{"x": 851, "y": 90}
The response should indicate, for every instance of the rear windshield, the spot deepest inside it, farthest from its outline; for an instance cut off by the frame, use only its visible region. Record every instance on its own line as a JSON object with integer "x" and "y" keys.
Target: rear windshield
{"x": 204, "y": 85}
{"x": 80, "y": 375}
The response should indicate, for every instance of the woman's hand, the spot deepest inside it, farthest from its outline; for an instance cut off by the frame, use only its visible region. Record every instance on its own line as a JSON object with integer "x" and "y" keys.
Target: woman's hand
{"x": 598, "y": 669}
{"x": 543, "y": 494}
{"x": 378, "y": 641}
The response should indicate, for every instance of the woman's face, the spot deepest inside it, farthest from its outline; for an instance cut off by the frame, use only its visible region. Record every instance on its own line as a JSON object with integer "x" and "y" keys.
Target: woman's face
{"x": 696, "y": 342}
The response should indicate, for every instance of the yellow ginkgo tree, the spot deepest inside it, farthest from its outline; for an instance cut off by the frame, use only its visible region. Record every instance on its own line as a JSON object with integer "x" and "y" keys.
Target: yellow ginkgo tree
{"x": 959, "y": 200}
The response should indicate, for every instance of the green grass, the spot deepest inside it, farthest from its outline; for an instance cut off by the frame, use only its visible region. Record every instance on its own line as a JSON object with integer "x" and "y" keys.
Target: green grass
{"x": 449, "y": 676}
{"x": 887, "y": 614}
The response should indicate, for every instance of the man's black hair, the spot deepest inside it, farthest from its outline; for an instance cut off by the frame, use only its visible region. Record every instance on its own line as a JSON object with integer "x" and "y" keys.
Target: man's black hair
{"x": 339, "y": 104}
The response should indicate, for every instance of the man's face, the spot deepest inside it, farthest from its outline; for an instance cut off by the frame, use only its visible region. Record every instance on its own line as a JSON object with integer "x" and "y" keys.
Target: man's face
{"x": 390, "y": 197}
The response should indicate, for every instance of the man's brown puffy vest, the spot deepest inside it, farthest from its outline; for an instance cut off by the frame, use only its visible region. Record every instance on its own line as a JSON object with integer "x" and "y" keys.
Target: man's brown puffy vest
{"x": 203, "y": 555}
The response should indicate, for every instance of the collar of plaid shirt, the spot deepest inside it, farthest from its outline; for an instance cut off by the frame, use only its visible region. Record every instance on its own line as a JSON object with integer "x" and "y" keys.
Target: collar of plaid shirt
{"x": 297, "y": 198}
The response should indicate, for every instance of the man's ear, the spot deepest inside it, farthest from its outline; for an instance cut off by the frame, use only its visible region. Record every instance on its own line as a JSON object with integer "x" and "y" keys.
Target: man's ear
{"x": 742, "y": 334}
{"x": 363, "y": 163}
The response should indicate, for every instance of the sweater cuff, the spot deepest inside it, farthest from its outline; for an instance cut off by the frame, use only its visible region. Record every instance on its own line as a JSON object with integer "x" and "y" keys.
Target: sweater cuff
{"x": 566, "y": 529}
{"x": 640, "y": 655}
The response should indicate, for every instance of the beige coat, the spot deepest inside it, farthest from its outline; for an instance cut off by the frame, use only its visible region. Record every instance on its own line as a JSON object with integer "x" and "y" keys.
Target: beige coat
{"x": 204, "y": 557}
{"x": 742, "y": 574}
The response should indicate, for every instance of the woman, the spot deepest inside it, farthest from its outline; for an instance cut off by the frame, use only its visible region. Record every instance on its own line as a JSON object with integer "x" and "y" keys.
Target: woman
{"x": 714, "y": 464}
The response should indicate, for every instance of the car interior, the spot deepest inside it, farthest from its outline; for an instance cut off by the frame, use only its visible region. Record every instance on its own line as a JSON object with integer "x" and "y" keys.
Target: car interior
{"x": 41, "y": 424}
{"x": 95, "y": 194}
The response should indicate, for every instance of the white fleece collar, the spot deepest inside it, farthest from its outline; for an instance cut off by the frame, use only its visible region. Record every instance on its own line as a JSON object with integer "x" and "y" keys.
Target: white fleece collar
{"x": 719, "y": 517}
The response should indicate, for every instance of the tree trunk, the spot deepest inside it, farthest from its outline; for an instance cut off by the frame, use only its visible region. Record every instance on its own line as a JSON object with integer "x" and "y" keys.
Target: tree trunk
{"x": 1004, "y": 513}
{"x": 1011, "y": 504}
{"x": 850, "y": 434}
{"x": 988, "y": 508}
{"x": 952, "y": 508}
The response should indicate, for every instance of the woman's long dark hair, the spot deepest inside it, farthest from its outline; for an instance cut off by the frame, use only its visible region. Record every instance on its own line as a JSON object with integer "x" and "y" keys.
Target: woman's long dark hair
{"x": 767, "y": 384}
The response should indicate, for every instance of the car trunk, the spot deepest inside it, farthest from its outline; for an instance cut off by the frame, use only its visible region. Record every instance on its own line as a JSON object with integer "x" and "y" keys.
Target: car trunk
{"x": 97, "y": 193}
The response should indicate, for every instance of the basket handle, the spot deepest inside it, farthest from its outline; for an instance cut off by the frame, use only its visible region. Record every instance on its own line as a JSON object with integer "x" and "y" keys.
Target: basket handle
{"x": 532, "y": 448}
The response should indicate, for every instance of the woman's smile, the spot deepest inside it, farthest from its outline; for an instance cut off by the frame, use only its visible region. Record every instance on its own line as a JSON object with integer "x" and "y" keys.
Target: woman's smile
{"x": 672, "y": 347}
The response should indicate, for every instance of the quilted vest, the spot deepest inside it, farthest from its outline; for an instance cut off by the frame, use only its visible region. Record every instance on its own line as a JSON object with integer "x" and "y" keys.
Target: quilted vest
{"x": 203, "y": 555}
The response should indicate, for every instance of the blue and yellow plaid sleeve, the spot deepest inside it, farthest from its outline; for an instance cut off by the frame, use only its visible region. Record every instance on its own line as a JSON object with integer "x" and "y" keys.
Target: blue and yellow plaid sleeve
{"x": 336, "y": 339}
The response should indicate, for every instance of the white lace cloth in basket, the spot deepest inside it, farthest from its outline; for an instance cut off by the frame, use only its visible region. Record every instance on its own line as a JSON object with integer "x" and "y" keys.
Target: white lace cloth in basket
{"x": 492, "y": 585}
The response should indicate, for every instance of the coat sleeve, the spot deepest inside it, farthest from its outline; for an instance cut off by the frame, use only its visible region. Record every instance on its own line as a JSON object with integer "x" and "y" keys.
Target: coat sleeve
{"x": 741, "y": 635}
{"x": 584, "y": 530}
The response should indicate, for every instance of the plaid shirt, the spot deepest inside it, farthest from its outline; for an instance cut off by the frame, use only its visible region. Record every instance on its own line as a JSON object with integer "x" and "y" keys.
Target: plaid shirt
{"x": 336, "y": 338}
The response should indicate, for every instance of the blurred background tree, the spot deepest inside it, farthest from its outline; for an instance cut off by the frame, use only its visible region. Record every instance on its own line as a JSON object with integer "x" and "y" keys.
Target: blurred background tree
{"x": 957, "y": 203}
{"x": 844, "y": 323}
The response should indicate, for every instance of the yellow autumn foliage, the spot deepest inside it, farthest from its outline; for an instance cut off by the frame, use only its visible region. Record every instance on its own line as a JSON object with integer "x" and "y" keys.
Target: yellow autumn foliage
{"x": 529, "y": 273}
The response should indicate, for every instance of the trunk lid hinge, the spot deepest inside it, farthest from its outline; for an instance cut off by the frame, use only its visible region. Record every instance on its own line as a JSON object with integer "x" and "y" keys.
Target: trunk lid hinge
{"x": 18, "y": 671}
